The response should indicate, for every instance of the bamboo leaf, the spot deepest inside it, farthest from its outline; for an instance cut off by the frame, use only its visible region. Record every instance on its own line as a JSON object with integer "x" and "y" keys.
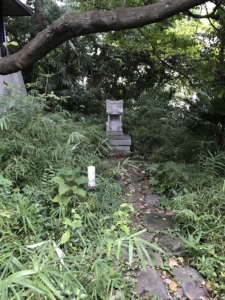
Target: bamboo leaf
{"x": 28, "y": 284}
{"x": 131, "y": 249}
{"x": 3, "y": 289}
{"x": 20, "y": 274}
{"x": 47, "y": 282}
{"x": 119, "y": 243}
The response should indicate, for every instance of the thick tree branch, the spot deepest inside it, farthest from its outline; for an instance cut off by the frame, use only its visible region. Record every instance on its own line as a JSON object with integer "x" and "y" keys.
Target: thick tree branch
{"x": 76, "y": 24}
{"x": 211, "y": 15}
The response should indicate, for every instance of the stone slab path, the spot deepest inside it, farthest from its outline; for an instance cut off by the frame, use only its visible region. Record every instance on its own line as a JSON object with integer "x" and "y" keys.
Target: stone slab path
{"x": 171, "y": 279}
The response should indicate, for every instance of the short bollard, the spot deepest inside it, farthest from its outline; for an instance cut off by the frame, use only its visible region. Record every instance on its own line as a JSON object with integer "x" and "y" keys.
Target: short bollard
{"x": 91, "y": 177}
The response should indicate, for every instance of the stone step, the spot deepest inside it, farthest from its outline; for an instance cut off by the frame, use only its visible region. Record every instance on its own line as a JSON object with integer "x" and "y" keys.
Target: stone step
{"x": 121, "y": 142}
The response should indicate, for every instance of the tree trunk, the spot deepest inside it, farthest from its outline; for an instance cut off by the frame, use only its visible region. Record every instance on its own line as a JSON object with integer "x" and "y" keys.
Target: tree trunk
{"x": 76, "y": 24}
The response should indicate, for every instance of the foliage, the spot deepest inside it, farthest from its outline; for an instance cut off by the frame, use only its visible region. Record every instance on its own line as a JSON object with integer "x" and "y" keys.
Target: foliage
{"x": 66, "y": 250}
{"x": 196, "y": 194}
{"x": 32, "y": 140}
{"x": 60, "y": 240}
{"x": 161, "y": 130}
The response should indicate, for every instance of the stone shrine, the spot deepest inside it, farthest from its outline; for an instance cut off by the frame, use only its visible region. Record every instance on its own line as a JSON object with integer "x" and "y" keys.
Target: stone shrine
{"x": 119, "y": 141}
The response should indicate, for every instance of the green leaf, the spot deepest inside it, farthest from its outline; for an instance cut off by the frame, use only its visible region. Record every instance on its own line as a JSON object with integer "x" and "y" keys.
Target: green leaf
{"x": 64, "y": 172}
{"x": 14, "y": 43}
{"x": 3, "y": 289}
{"x": 83, "y": 296}
{"x": 28, "y": 284}
{"x": 79, "y": 191}
{"x": 61, "y": 199}
{"x": 58, "y": 180}
{"x": 137, "y": 233}
{"x": 148, "y": 256}
{"x": 41, "y": 285}
{"x": 76, "y": 224}
{"x": 140, "y": 255}
{"x": 63, "y": 188}
{"x": 48, "y": 283}
{"x": 81, "y": 180}
{"x": 5, "y": 214}
{"x": 21, "y": 274}
{"x": 4, "y": 181}
{"x": 58, "y": 199}
{"x": 67, "y": 222}
{"x": 131, "y": 249}
{"x": 118, "y": 248}
{"x": 125, "y": 228}
{"x": 65, "y": 237}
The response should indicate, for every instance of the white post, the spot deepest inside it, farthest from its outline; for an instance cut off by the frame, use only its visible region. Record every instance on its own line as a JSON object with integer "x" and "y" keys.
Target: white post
{"x": 91, "y": 176}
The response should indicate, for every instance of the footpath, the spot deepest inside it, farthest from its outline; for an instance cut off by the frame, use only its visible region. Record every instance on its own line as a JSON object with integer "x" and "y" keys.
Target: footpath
{"x": 172, "y": 278}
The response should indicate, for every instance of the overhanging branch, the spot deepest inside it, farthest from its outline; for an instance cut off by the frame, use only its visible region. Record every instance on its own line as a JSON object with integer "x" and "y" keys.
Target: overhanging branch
{"x": 76, "y": 24}
{"x": 211, "y": 15}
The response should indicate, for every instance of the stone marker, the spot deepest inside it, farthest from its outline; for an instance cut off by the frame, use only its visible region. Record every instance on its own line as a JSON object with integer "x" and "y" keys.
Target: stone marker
{"x": 114, "y": 128}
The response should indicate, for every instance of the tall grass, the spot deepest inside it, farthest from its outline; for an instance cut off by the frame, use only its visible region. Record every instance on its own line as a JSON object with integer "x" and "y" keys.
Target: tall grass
{"x": 59, "y": 240}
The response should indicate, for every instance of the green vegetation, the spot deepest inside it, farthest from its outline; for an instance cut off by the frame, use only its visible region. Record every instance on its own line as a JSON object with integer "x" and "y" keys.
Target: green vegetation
{"x": 60, "y": 240}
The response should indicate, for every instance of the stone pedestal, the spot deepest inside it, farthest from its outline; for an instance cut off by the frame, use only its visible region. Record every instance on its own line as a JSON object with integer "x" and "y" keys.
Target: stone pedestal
{"x": 12, "y": 83}
{"x": 119, "y": 141}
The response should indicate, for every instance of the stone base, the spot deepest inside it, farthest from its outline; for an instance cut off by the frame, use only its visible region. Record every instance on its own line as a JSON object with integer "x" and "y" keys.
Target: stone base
{"x": 115, "y": 133}
{"x": 12, "y": 83}
{"x": 121, "y": 148}
{"x": 119, "y": 142}
{"x": 117, "y": 153}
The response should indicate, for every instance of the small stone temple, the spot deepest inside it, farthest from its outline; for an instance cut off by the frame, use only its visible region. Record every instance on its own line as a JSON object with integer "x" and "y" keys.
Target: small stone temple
{"x": 119, "y": 141}
{"x": 13, "y": 8}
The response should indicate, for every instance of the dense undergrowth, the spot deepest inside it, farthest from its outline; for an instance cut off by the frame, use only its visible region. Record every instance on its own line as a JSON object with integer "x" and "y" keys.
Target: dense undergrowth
{"x": 196, "y": 193}
{"x": 186, "y": 158}
{"x": 59, "y": 240}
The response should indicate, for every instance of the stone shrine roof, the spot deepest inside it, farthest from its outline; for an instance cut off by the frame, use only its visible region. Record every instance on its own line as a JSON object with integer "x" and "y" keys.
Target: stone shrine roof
{"x": 15, "y": 8}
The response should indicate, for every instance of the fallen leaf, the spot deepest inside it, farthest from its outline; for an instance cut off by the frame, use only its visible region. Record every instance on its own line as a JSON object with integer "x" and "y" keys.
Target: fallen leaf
{"x": 172, "y": 262}
{"x": 169, "y": 213}
{"x": 173, "y": 286}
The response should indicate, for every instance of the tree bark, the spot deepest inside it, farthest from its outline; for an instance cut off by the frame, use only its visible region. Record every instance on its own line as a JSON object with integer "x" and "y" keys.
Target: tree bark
{"x": 38, "y": 14}
{"x": 76, "y": 24}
